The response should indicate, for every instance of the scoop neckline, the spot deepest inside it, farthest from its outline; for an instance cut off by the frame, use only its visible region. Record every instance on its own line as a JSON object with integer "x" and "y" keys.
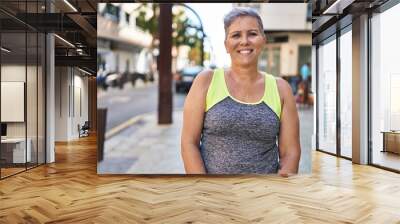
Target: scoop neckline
{"x": 242, "y": 102}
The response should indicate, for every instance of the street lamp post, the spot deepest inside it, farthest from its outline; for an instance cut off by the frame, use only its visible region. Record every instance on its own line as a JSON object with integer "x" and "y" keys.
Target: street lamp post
{"x": 165, "y": 59}
{"x": 203, "y": 34}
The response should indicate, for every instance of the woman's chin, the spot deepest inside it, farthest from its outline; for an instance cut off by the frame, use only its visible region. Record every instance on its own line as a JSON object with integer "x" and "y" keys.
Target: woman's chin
{"x": 245, "y": 63}
{"x": 247, "y": 60}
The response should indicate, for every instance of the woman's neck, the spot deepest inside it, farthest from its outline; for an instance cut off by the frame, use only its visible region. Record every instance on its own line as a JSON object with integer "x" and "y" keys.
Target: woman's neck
{"x": 249, "y": 73}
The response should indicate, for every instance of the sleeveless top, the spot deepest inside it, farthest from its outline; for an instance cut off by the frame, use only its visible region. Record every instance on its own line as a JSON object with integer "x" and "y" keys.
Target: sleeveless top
{"x": 239, "y": 137}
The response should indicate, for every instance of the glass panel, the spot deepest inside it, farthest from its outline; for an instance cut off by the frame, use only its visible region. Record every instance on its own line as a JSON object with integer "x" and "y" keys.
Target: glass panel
{"x": 22, "y": 79}
{"x": 32, "y": 85}
{"x": 346, "y": 94}
{"x": 41, "y": 98}
{"x": 13, "y": 86}
{"x": 385, "y": 86}
{"x": 31, "y": 98}
{"x": 327, "y": 97}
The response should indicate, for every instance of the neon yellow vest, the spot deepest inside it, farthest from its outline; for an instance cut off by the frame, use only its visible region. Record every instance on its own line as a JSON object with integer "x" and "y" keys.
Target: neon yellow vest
{"x": 217, "y": 91}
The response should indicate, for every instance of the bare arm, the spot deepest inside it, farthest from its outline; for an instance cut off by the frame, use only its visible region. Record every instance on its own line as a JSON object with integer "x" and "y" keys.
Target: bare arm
{"x": 289, "y": 141}
{"x": 193, "y": 116}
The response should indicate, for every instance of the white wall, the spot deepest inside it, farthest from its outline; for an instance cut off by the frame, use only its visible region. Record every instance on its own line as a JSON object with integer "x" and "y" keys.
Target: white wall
{"x": 80, "y": 94}
{"x": 33, "y": 125}
{"x": 71, "y": 94}
{"x": 13, "y": 101}
{"x": 61, "y": 103}
{"x": 284, "y": 16}
{"x": 14, "y": 73}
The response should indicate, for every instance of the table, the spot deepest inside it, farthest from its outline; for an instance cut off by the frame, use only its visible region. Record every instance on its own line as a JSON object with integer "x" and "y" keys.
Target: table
{"x": 16, "y": 147}
{"x": 391, "y": 141}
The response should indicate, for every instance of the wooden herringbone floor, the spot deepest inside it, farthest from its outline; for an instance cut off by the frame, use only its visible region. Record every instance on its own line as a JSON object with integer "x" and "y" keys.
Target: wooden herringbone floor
{"x": 70, "y": 191}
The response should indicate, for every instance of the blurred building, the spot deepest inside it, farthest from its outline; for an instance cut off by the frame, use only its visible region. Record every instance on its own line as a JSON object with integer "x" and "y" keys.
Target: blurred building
{"x": 288, "y": 30}
{"x": 120, "y": 43}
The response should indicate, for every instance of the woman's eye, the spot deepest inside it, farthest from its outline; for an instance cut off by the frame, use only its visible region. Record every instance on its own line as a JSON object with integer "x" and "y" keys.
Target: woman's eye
{"x": 235, "y": 36}
{"x": 253, "y": 34}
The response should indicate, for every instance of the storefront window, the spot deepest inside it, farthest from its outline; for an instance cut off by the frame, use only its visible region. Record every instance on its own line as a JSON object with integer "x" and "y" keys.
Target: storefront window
{"x": 385, "y": 87}
{"x": 346, "y": 93}
{"x": 327, "y": 96}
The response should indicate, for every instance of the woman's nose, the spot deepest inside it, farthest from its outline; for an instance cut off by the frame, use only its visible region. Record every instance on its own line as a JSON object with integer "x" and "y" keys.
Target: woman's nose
{"x": 244, "y": 40}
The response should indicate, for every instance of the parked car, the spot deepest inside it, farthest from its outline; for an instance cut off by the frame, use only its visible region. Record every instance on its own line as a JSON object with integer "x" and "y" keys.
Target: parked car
{"x": 114, "y": 79}
{"x": 138, "y": 75}
{"x": 184, "y": 78}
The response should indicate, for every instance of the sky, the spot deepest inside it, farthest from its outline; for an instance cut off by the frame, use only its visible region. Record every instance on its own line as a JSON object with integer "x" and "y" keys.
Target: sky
{"x": 212, "y": 15}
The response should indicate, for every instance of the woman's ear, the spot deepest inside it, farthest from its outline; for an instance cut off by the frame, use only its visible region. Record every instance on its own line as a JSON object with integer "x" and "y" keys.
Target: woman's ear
{"x": 226, "y": 49}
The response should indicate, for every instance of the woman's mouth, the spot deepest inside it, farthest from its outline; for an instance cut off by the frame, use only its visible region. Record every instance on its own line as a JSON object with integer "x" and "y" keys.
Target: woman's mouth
{"x": 245, "y": 51}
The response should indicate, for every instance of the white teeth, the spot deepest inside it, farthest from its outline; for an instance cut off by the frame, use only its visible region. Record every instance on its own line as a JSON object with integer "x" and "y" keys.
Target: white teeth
{"x": 245, "y": 51}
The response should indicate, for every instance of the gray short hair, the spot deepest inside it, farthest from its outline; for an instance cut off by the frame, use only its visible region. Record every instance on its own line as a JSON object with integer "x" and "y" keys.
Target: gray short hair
{"x": 239, "y": 12}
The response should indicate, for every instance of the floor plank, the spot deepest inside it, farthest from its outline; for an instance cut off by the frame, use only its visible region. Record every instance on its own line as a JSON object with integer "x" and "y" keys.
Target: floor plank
{"x": 70, "y": 191}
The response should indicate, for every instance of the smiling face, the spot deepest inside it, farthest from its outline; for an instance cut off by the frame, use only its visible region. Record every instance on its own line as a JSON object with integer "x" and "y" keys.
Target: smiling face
{"x": 244, "y": 41}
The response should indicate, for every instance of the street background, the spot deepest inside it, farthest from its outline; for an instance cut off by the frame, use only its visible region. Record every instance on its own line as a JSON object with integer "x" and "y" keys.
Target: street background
{"x": 143, "y": 127}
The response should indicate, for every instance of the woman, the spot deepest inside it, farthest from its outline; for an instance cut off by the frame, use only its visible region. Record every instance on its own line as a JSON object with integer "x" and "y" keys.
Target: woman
{"x": 233, "y": 118}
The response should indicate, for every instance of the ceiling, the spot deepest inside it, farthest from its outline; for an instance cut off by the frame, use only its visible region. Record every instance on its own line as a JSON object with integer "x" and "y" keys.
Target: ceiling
{"x": 72, "y": 20}
{"x": 329, "y": 15}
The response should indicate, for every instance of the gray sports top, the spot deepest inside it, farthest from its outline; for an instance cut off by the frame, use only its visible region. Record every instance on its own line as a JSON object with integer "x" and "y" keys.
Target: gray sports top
{"x": 239, "y": 137}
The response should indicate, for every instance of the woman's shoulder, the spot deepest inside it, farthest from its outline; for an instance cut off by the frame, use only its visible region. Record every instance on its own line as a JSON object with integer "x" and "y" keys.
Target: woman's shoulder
{"x": 203, "y": 79}
{"x": 284, "y": 88}
{"x": 205, "y": 75}
{"x": 282, "y": 84}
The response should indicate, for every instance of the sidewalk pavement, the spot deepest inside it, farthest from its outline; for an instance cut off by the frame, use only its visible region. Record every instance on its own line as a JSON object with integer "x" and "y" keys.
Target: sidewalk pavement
{"x": 145, "y": 148}
{"x": 148, "y": 148}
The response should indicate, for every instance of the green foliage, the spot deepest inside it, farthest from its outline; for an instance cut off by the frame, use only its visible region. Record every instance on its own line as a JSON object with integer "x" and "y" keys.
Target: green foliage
{"x": 195, "y": 52}
{"x": 147, "y": 19}
{"x": 183, "y": 32}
